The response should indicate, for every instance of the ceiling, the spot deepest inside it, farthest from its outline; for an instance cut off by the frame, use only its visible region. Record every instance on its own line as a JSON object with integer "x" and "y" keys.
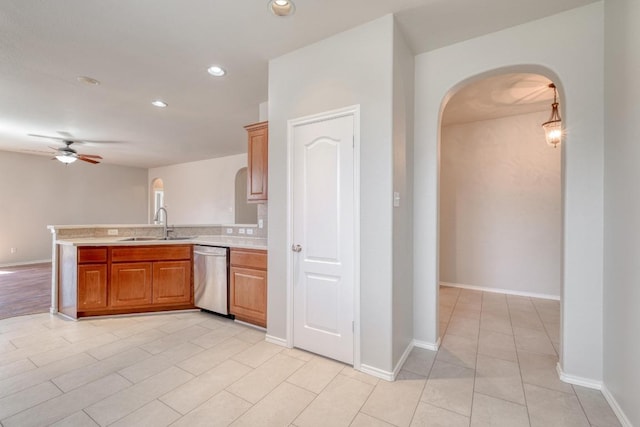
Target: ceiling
{"x": 160, "y": 49}
{"x": 499, "y": 96}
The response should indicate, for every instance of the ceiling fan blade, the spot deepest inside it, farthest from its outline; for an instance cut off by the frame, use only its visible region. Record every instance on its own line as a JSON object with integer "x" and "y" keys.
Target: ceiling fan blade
{"x": 85, "y": 159}
{"x": 96, "y": 141}
{"x": 76, "y": 140}
{"x": 37, "y": 151}
{"x": 50, "y": 137}
{"x": 90, "y": 156}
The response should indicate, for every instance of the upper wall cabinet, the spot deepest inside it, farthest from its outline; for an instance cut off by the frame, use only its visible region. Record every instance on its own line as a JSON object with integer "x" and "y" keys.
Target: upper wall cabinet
{"x": 257, "y": 161}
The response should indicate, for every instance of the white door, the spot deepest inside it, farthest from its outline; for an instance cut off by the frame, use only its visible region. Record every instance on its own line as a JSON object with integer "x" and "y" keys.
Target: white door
{"x": 323, "y": 237}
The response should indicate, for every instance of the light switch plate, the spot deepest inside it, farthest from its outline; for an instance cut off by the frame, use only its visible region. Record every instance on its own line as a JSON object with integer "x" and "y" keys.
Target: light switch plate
{"x": 229, "y": 230}
{"x": 249, "y": 230}
{"x": 240, "y": 230}
{"x": 260, "y": 223}
{"x": 396, "y": 199}
{"x": 112, "y": 232}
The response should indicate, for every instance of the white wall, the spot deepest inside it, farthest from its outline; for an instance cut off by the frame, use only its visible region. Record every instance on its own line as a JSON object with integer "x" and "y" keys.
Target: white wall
{"x": 36, "y": 192}
{"x": 354, "y": 67}
{"x": 567, "y": 48}
{"x": 201, "y": 192}
{"x": 622, "y": 206}
{"x": 403, "y": 100}
{"x": 500, "y": 205}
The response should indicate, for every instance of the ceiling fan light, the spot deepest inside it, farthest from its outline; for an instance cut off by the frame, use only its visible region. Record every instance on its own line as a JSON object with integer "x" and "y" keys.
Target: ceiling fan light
{"x": 65, "y": 158}
{"x": 281, "y": 7}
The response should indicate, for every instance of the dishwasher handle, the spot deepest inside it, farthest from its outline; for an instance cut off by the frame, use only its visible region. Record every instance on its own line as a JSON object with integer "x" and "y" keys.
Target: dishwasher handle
{"x": 209, "y": 254}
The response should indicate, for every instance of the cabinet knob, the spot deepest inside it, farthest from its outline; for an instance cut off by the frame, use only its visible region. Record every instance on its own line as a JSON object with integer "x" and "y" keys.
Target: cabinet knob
{"x": 296, "y": 248}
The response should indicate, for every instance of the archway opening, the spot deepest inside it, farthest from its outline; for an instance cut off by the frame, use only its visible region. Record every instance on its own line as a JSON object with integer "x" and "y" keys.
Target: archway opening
{"x": 245, "y": 213}
{"x": 500, "y": 213}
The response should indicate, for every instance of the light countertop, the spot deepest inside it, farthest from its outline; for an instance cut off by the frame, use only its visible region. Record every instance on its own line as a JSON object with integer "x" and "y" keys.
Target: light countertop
{"x": 226, "y": 241}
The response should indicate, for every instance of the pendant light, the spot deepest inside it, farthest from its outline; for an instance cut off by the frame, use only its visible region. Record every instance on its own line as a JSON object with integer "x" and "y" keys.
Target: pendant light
{"x": 553, "y": 127}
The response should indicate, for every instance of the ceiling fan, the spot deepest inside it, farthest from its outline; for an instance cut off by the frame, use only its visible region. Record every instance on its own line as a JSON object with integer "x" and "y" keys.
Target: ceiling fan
{"x": 67, "y": 154}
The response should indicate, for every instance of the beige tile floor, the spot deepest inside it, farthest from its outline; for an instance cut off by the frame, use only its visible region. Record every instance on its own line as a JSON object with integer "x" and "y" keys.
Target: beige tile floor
{"x": 496, "y": 367}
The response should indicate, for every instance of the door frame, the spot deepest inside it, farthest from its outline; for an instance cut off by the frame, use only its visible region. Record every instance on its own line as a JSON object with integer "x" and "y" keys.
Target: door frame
{"x": 354, "y": 111}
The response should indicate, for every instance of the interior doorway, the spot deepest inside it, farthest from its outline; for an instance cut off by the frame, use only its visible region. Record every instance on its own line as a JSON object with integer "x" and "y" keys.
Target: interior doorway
{"x": 500, "y": 209}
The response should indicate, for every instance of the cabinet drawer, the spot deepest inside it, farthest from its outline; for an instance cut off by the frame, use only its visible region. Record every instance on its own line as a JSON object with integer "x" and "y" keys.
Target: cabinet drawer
{"x": 92, "y": 255}
{"x": 150, "y": 253}
{"x": 251, "y": 258}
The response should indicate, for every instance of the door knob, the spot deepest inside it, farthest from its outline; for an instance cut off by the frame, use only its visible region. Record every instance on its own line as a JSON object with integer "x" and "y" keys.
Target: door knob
{"x": 296, "y": 248}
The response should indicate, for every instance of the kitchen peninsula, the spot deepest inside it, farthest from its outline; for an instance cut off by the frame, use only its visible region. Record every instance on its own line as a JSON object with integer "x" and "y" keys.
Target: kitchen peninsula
{"x": 124, "y": 269}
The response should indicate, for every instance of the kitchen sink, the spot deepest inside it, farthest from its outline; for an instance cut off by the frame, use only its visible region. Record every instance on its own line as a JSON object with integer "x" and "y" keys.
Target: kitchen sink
{"x": 150, "y": 239}
{"x": 140, "y": 239}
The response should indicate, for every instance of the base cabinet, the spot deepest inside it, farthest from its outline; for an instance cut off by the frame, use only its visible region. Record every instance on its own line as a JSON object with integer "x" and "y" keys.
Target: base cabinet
{"x": 248, "y": 286}
{"x": 124, "y": 279}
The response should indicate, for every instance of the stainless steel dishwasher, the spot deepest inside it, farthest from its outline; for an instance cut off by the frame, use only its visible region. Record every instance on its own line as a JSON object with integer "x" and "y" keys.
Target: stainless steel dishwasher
{"x": 211, "y": 278}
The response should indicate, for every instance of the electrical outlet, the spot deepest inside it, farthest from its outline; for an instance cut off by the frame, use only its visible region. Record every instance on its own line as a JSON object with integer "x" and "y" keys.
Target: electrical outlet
{"x": 112, "y": 232}
{"x": 240, "y": 230}
{"x": 260, "y": 223}
{"x": 249, "y": 230}
{"x": 14, "y": 250}
{"x": 229, "y": 230}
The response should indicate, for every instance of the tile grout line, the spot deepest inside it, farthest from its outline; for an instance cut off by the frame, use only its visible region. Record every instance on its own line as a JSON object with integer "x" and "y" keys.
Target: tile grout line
{"x": 475, "y": 367}
{"x": 526, "y": 403}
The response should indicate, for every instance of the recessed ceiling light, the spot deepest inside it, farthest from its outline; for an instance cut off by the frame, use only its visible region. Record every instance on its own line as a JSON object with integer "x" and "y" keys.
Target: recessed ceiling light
{"x": 216, "y": 71}
{"x": 281, "y": 7}
{"x": 159, "y": 103}
{"x": 88, "y": 80}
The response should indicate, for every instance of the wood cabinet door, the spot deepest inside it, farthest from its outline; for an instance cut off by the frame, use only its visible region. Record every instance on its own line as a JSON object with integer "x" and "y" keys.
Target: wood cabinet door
{"x": 248, "y": 295}
{"x": 92, "y": 286}
{"x": 130, "y": 284}
{"x": 171, "y": 282}
{"x": 257, "y": 161}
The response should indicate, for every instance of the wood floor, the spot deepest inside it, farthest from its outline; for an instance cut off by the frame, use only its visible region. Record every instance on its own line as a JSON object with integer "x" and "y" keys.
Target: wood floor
{"x": 25, "y": 289}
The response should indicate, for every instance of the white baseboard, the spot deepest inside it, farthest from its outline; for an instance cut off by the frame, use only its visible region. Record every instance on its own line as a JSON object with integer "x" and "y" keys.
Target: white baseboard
{"x": 391, "y": 376}
{"x": 378, "y": 373}
{"x": 615, "y": 407}
{"x": 18, "y": 264}
{"x": 501, "y": 291}
{"x": 276, "y": 340}
{"x": 403, "y": 359}
{"x": 427, "y": 345}
{"x": 576, "y": 380}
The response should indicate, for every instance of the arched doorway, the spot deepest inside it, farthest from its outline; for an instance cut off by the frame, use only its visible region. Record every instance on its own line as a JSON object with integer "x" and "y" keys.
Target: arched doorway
{"x": 245, "y": 213}
{"x": 500, "y": 212}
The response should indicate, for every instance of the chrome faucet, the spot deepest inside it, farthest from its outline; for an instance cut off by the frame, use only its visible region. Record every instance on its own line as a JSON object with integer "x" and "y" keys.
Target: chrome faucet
{"x": 165, "y": 230}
